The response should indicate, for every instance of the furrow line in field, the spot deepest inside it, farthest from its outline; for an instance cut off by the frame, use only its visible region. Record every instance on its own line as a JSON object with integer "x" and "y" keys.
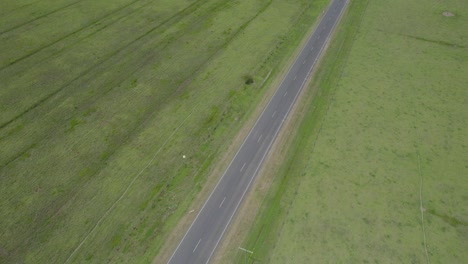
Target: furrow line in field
{"x": 19, "y": 155}
{"x": 127, "y": 188}
{"x": 222, "y": 48}
{"x": 75, "y": 32}
{"x": 175, "y": 93}
{"x": 421, "y": 206}
{"x": 135, "y": 69}
{"x": 112, "y": 152}
{"x": 89, "y": 70}
{"x": 19, "y": 7}
{"x": 39, "y": 17}
{"x": 238, "y": 31}
{"x": 241, "y": 28}
{"x": 123, "y": 78}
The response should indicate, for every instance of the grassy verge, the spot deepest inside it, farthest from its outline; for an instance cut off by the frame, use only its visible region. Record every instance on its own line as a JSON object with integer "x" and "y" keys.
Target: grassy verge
{"x": 263, "y": 236}
{"x": 380, "y": 179}
{"x": 101, "y": 101}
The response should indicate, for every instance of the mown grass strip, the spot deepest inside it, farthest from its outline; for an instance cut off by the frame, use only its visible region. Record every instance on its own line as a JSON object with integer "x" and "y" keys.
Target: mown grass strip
{"x": 395, "y": 122}
{"x": 263, "y": 235}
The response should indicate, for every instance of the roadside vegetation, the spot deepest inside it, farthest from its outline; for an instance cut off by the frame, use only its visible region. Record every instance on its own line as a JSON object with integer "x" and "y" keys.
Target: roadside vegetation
{"x": 112, "y": 114}
{"x": 376, "y": 170}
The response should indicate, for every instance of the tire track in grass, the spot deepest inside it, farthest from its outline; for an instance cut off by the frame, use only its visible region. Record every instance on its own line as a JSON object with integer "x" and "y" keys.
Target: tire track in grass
{"x": 75, "y": 32}
{"x": 226, "y": 43}
{"x": 20, "y": 70}
{"x": 201, "y": 66}
{"x": 95, "y": 98}
{"x": 50, "y": 135}
{"x": 19, "y": 7}
{"x": 190, "y": 78}
{"x": 93, "y": 67}
{"x": 14, "y": 14}
{"x": 129, "y": 186}
{"x": 124, "y": 78}
{"x": 39, "y": 17}
{"x": 236, "y": 34}
{"x": 241, "y": 28}
{"x": 221, "y": 48}
{"x": 421, "y": 208}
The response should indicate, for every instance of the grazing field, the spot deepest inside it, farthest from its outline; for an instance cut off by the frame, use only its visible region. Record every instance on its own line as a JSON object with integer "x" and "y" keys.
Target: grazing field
{"x": 377, "y": 170}
{"x": 112, "y": 114}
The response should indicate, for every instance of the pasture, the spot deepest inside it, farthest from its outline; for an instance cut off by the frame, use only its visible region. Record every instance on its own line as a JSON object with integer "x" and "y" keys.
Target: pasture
{"x": 377, "y": 170}
{"x": 113, "y": 114}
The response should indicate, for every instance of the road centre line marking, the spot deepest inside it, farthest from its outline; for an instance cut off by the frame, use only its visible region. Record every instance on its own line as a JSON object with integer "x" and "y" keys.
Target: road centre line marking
{"x": 196, "y": 246}
{"x": 311, "y": 49}
{"x": 303, "y": 62}
{"x": 273, "y": 115}
{"x": 259, "y": 138}
{"x": 222, "y": 202}
{"x": 285, "y": 94}
{"x": 295, "y": 77}
{"x": 242, "y": 167}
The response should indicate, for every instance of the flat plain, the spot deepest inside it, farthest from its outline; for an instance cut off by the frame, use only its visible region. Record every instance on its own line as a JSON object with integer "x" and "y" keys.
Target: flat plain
{"x": 112, "y": 114}
{"x": 377, "y": 170}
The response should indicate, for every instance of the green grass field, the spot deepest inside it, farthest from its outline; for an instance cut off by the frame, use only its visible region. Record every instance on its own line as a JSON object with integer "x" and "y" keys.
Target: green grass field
{"x": 377, "y": 170}
{"x": 99, "y": 101}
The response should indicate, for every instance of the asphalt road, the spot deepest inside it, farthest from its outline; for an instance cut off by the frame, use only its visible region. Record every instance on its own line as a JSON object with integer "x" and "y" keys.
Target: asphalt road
{"x": 207, "y": 230}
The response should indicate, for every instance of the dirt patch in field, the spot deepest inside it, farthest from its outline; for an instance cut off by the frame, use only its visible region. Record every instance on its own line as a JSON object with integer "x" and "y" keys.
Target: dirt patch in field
{"x": 448, "y": 14}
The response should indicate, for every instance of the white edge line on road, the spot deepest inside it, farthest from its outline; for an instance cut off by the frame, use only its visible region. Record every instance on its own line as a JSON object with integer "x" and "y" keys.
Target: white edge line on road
{"x": 245, "y": 140}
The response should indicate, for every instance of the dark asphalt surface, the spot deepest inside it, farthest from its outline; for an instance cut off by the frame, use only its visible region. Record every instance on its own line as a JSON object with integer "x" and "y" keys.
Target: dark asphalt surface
{"x": 208, "y": 228}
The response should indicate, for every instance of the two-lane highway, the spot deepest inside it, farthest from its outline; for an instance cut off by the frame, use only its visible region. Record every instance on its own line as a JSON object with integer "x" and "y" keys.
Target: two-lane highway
{"x": 207, "y": 230}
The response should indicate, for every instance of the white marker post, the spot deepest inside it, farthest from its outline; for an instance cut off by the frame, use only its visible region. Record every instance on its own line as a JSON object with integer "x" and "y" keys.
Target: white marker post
{"x": 247, "y": 251}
